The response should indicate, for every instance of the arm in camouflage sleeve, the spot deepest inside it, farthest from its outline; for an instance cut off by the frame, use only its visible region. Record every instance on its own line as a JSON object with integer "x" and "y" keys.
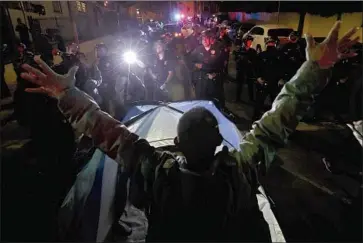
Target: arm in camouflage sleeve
{"x": 108, "y": 134}
{"x": 275, "y": 126}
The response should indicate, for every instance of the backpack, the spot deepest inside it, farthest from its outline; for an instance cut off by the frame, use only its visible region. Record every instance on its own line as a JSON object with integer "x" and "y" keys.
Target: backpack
{"x": 219, "y": 205}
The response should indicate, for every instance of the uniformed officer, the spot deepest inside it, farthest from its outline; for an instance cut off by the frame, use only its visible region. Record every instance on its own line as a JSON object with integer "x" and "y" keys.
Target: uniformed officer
{"x": 189, "y": 38}
{"x": 88, "y": 79}
{"x": 246, "y": 58}
{"x": 5, "y": 91}
{"x": 226, "y": 45}
{"x": 107, "y": 69}
{"x": 208, "y": 63}
{"x": 269, "y": 76}
{"x": 190, "y": 42}
{"x": 291, "y": 56}
{"x": 159, "y": 73}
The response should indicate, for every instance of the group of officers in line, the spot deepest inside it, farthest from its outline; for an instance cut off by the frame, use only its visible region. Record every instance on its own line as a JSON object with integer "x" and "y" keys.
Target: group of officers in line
{"x": 194, "y": 66}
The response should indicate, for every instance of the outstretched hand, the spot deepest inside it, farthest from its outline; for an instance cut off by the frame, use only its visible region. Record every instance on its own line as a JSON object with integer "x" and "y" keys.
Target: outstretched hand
{"x": 51, "y": 83}
{"x": 331, "y": 50}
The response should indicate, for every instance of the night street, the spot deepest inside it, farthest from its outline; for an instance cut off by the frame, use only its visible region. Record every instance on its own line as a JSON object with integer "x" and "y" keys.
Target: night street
{"x": 142, "y": 54}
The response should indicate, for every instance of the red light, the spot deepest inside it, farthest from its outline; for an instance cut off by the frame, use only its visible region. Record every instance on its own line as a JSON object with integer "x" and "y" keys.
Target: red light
{"x": 182, "y": 16}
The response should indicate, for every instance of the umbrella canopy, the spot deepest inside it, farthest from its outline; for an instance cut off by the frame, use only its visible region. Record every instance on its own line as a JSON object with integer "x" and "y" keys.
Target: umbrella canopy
{"x": 158, "y": 123}
{"x": 89, "y": 205}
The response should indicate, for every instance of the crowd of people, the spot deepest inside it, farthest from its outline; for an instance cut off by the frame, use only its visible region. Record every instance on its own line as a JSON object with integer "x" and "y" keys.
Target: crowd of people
{"x": 192, "y": 67}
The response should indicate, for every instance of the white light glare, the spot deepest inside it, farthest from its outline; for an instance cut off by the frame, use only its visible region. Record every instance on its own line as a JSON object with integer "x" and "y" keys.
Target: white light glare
{"x": 130, "y": 57}
{"x": 177, "y": 16}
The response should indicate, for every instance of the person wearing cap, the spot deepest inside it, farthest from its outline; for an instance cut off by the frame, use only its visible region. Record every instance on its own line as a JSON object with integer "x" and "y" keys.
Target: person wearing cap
{"x": 225, "y": 45}
{"x": 5, "y": 91}
{"x": 107, "y": 68}
{"x": 208, "y": 65}
{"x": 195, "y": 195}
{"x": 269, "y": 73}
{"x": 88, "y": 78}
{"x": 160, "y": 73}
{"x": 291, "y": 55}
{"x": 189, "y": 39}
{"x": 246, "y": 58}
{"x": 190, "y": 42}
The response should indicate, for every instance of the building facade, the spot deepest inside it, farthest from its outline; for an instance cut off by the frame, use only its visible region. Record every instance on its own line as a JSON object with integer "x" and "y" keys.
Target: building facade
{"x": 82, "y": 20}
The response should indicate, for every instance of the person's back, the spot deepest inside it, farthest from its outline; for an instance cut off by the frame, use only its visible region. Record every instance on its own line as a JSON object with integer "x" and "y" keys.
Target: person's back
{"x": 217, "y": 205}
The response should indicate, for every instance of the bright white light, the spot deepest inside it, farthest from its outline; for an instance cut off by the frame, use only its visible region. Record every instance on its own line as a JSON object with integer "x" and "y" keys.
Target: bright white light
{"x": 182, "y": 16}
{"x": 177, "y": 16}
{"x": 130, "y": 57}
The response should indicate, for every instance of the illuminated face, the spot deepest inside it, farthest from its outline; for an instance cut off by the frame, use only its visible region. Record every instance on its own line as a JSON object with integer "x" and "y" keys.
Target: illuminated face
{"x": 207, "y": 41}
{"x": 159, "y": 49}
{"x": 184, "y": 32}
{"x": 248, "y": 44}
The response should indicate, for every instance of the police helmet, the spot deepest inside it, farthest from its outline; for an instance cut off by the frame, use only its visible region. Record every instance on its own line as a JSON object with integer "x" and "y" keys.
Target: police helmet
{"x": 248, "y": 38}
{"x": 72, "y": 48}
{"x": 271, "y": 41}
{"x": 187, "y": 25}
{"x": 293, "y": 36}
{"x": 101, "y": 46}
{"x": 22, "y": 46}
{"x": 208, "y": 34}
{"x": 224, "y": 24}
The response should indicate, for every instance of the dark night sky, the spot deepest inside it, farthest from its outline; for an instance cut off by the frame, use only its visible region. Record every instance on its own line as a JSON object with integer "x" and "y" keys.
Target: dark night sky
{"x": 322, "y": 8}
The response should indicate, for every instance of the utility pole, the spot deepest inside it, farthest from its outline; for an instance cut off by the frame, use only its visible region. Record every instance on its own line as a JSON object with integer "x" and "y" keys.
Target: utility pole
{"x": 74, "y": 26}
{"x": 278, "y": 12}
{"x": 23, "y": 11}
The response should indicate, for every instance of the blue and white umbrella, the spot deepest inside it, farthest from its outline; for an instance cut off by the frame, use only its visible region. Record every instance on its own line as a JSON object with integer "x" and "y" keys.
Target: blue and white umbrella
{"x": 89, "y": 206}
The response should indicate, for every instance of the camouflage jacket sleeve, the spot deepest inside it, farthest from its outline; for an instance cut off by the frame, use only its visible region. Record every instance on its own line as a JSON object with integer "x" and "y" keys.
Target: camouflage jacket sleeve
{"x": 275, "y": 126}
{"x": 108, "y": 134}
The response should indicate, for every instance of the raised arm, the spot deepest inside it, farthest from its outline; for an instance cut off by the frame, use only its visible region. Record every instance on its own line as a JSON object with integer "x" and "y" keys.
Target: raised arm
{"x": 85, "y": 116}
{"x": 275, "y": 126}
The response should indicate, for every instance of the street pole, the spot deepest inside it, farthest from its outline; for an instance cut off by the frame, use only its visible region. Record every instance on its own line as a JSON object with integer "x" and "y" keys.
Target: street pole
{"x": 278, "y": 12}
{"x": 74, "y": 26}
{"x": 23, "y": 11}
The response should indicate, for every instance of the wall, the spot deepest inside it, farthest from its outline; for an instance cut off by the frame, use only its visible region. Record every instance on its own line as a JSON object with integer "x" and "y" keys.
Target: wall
{"x": 50, "y": 15}
{"x": 350, "y": 20}
{"x": 318, "y": 26}
{"x": 86, "y": 47}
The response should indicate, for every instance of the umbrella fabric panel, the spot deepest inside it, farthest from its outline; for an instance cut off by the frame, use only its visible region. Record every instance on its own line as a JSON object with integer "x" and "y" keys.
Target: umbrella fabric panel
{"x": 137, "y": 110}
{"x": 227, "y": 128}
{"x": 160, "y": 124}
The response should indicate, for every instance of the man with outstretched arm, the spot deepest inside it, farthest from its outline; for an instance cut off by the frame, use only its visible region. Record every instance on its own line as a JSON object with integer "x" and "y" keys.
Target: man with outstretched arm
{"x": 196, "y": 195}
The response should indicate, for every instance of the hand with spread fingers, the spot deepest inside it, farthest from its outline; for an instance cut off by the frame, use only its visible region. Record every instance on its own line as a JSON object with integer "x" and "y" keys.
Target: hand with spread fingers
{"x": 51, "y": 83}
{"x": 331, "y": 50}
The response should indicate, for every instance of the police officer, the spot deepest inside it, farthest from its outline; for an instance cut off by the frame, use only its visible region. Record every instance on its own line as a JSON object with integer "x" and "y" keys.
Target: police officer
{"x": 269, "y": 76}
{"x": 190, "y": 41}
{"x": 225, "y": 44}
{"x": 43, "y": 47}
{"x": 291, "y": 55}
{"x": 189, "y": 38}
{"x": 5, "y": 92}
{"x": 208, "y": 63}
{"x": 108, "y": 71}
{"x": 246, "y": 58}
{"x": 159, "y": 73}
{"x": 88, "y": 79}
